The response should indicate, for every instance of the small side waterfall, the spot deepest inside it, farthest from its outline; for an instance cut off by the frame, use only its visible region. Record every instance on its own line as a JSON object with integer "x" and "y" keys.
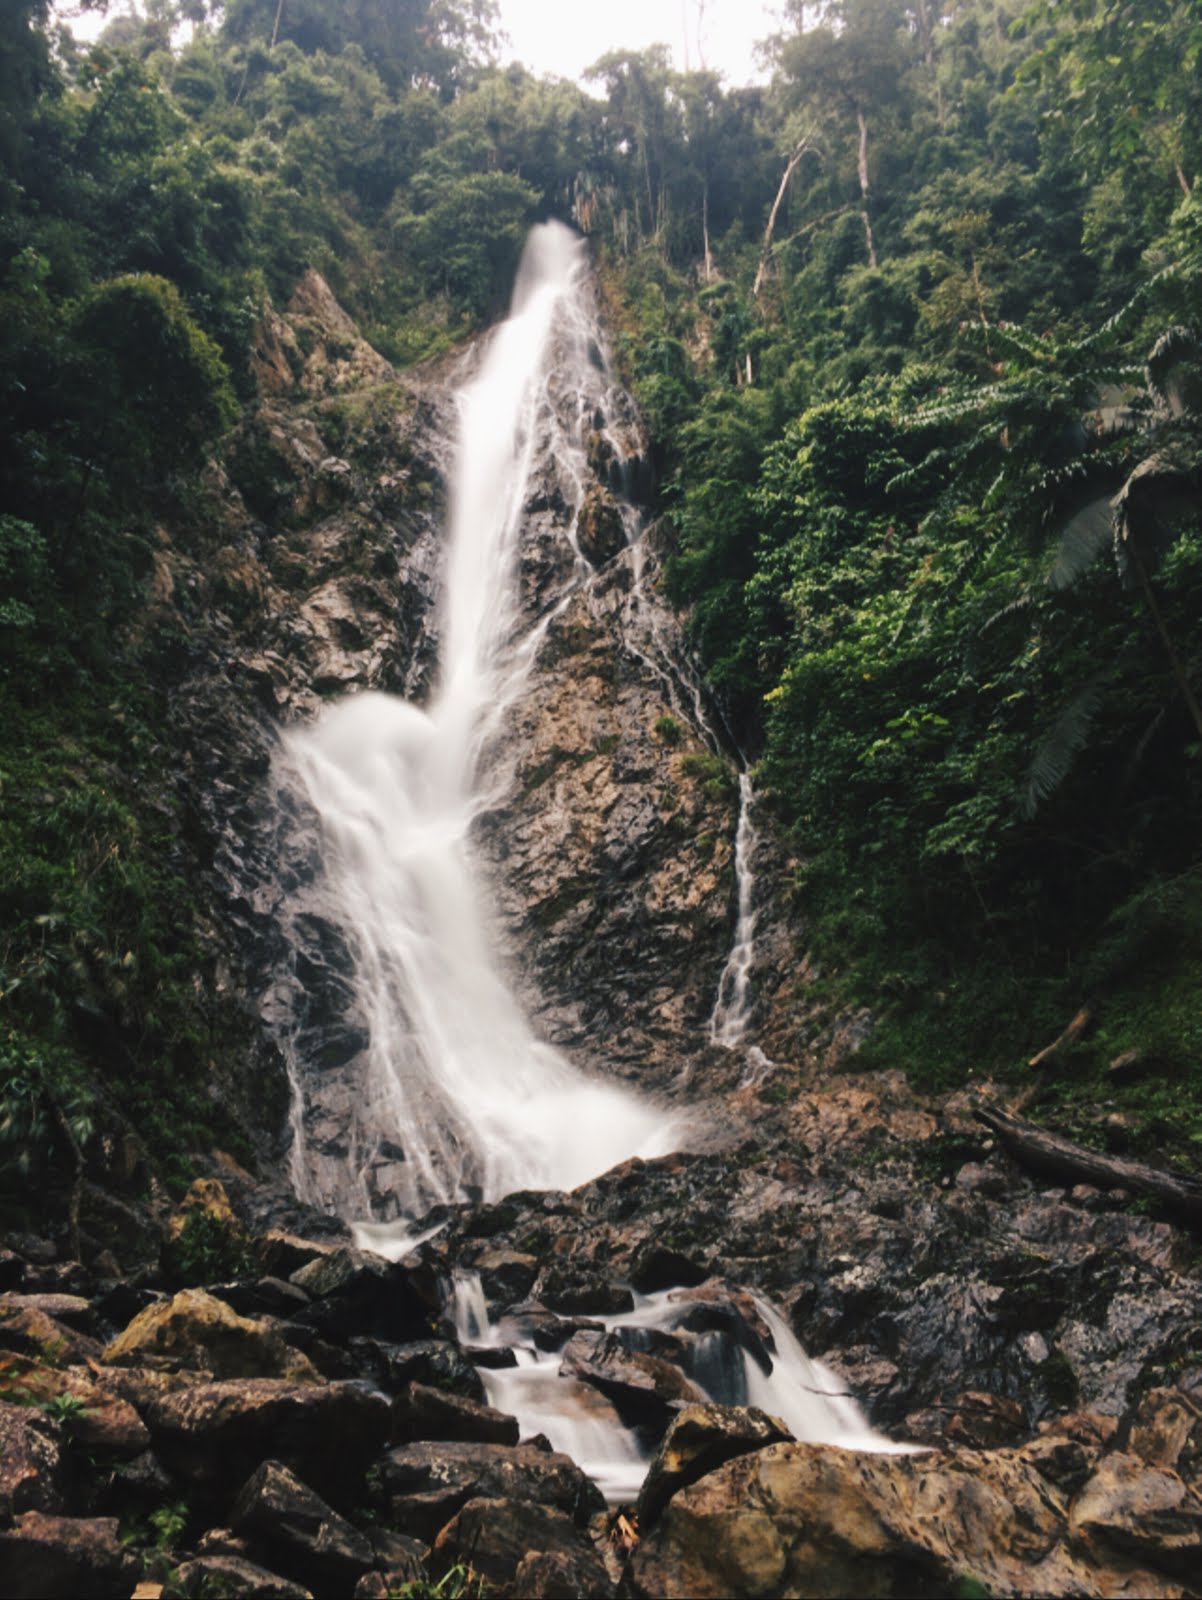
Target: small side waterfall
{"x": 728, "y": 1023}
{"x": 454, "y": 1096}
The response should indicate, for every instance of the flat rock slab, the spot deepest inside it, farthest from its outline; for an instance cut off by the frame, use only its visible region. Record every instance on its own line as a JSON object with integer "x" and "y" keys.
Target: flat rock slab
{"x": 420, "y": 1412}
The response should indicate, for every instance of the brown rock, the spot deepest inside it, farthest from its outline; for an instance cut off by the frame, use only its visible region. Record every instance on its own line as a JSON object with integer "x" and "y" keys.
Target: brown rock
{"x": 31, "y": 1462}
{"x": 300, "y": 1534}
{"x": 1166, "y": 1431}
{"x": 420, "y": 1412}
{"x": 425, "y": 1484}
{"x": 65, "y": 1558}
{"x": 816, "y": 1520}
{"x": 1139, "y": 1511}
{"x": 981, "y": 1421}
{"x": 217, "y": 1433}
{"x": 698, "y": 1441}
{"x": 234, "y": 1578}
{"x": 195, "y": 1330}
{"x": 496, "y": 1536}
{"x": 645, "y": 1388}
{"x": 31, "y": 1332}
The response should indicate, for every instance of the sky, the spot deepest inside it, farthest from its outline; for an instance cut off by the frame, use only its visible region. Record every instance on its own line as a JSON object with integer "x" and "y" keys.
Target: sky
{"x": 564, "y": 36}
{"x": 561, "y": 37}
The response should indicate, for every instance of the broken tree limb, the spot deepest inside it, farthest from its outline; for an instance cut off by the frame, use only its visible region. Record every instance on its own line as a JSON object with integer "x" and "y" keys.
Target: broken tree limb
{"x": 1073, "y": 1032}
{"x": 1052, "y": 1156}
{"x": 766, "y": 248}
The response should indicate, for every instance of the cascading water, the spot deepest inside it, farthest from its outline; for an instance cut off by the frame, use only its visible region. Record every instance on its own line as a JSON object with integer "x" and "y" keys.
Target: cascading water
{"x": 452, "y": 1085}
{"x": 448, "y": 1094}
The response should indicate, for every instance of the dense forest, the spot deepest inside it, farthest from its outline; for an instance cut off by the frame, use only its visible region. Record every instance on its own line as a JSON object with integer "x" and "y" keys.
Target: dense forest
{"x": 916, "y": 329}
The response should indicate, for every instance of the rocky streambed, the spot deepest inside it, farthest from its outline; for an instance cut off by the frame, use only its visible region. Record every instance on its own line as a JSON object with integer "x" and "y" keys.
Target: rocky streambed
{"x": 312, "y": 1419}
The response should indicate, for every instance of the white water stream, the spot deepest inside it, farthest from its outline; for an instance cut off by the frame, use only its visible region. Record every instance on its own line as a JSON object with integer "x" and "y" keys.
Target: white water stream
{"x": 805, "y": 1395}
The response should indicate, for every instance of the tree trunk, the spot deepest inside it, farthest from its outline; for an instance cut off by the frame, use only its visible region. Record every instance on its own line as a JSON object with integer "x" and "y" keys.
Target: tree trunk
{"x": 863, "y": 168}
{"x": 766, "y": 248}
{"x": 1051, "y": 1156}
{"x": 275, "y": 31}
{"x": 705, "y": 230}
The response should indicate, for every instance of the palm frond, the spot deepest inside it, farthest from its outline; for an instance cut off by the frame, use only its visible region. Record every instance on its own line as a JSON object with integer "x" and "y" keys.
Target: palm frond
{"x": 1011, "y": 609}
{"x": 1082, "y": 540}
{"x": 1060, "y": 746}
{"x": 1173, "y": 368}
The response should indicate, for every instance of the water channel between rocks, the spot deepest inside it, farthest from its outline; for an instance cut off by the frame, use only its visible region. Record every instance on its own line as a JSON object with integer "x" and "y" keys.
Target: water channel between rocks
{"x": 455, "y": 1098}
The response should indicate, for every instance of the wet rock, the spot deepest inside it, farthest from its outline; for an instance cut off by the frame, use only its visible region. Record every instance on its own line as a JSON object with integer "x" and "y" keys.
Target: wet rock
{"x": 65, "y": 1558}
{"x": 506, "y": 1276}
{"x": 645, "y": 1388}
{"x": 423, "y": 1485}
{"x": 655, "y": 1266}
{"x": 31, "y": 1462}
{"x": 420, "y": 1412}
{"x": 262, "y": 1297}
{"x": 236, "y": 1578}
{"x": 198, "y": 1331}
{"x": 496, "y": 1537}
{"x": 215, "y": 1434}
{"x": 1145, "y": 1513}
{"x": 699, "y": 1440}
{"x": 599, "y": 527}
{"x": 437, "y": 1363}
{"x": 551, "y": 1333}
{"x": 584, "y": 1294}
{"x": 299, "y": 1533}
{"x": 980, "y": 1421}
{"x": 281, "y": 1254}
{"x": 355, "y": 1292}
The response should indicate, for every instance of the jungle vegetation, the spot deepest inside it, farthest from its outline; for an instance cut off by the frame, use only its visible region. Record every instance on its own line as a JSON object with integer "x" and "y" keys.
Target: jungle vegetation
{"x": 916, "y": 328}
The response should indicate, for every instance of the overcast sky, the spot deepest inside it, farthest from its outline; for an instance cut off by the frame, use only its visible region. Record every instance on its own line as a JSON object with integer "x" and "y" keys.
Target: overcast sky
{"x": 563, "y": 37}
{"x": 554, "y": 36}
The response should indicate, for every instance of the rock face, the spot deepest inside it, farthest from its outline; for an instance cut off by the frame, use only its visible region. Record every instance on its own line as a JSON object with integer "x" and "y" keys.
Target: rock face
{"x": 808, "y": 1519}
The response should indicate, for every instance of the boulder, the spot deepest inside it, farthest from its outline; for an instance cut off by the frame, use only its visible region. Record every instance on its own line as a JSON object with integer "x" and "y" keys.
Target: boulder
{"x": 216, "y": 1433}
{"x": 655, "y": 1266}
{"x": 645, "y": 1388}
{"x": 423, "y": 1485}
{"x": 698, "y": 1441}
{"x": 233, "y": 1578}
{"x": 33, "y": 1332}
{"x": 815, "y": 1519}
{"x": 506, "y": 1276}
{"x": 582, "y": 1293}
{"x": 437, "y": 1363}
{"x": 497, "y": 1536}
{"x": 195, "y": 1330}
{"x": 262, "y": 1297}
{"x": 355, "y": 1292}
{"x": 1166, "y": 1430}
{"x": 65, "y": 1558}
{"x": 31, "y": 1462}
{"x": 420, "y": 1412}
{"x": 298, "y": 1532}
{"x": 981, "y": 1421}
{"x": 1139, "y": 1512}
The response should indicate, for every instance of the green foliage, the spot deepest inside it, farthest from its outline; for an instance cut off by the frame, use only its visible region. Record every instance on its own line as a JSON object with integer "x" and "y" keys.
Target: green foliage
{"x": 209, "y": 1249}
{"x": 460, "y": 1582}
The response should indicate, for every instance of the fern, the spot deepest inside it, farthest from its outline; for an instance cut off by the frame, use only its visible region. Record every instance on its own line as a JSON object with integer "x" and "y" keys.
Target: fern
{"x": 1060, "y": 746}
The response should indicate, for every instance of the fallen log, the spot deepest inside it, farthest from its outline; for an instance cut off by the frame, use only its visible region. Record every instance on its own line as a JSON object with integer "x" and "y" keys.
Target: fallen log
{"x": 1052, "y": 1156}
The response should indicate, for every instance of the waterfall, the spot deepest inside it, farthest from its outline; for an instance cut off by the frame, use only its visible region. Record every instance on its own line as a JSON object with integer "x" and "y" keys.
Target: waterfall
{"x": 454, "y": 1097}
{"x": 728, "y": 1022}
